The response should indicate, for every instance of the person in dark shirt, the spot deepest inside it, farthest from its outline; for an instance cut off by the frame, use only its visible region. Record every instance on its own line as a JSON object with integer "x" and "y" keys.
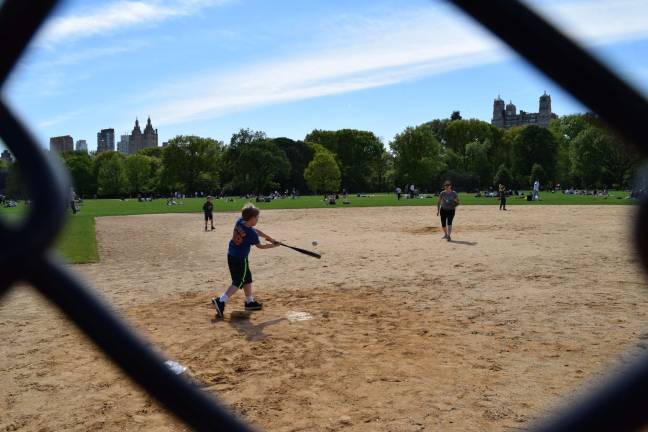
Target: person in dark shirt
{"x": 448, "y": 202}
{"x": 502, "y": 197}
{"x": 208, "y": 209}
{"x": 243, "y": 238}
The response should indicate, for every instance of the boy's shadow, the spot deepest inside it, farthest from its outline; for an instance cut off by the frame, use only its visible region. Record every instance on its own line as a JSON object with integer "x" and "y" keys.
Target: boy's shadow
{"x": 240, "y": 320}
{"x": 461, "y": 242}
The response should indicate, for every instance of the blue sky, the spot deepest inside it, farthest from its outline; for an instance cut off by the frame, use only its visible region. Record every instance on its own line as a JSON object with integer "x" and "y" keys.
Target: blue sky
{"x": 210, "y": 67}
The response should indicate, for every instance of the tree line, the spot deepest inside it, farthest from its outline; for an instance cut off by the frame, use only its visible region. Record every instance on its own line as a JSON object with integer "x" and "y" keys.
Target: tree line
{"x": 575, "y": 151}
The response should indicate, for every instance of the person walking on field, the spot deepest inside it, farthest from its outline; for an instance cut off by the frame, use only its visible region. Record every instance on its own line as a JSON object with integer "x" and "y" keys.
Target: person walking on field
{"x": 536, "y": 191}
{"x": 502, "y": 197}
{"x": 448, "y": 202}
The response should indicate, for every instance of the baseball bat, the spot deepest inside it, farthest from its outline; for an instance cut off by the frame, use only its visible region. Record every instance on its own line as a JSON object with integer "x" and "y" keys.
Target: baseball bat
{"x": 304, "y": 251}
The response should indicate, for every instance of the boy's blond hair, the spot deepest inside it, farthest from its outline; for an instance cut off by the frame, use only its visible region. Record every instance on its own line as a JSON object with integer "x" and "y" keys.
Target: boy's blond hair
{"x": 249, "y": 211}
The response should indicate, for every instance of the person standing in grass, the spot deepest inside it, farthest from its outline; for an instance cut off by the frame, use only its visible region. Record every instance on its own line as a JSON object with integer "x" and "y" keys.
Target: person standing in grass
{"x": 502, "y": 197}
{"x": 446, "y": 206}
{"x": 208, "y": 210}
{"x": 73, "y": 201}
{"x": 244, "y": 237}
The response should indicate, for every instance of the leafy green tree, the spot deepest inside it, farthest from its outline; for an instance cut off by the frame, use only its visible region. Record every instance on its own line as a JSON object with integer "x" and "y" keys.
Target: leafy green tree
{"x": 452, "y": 160}
{"x": 461, "y": 180}
{"x": 460, "y": 133}
{"x": 456, "y": 115}
{"x": 499, "y": 148}
{"x": 417, "y": 157}
{"x": 534, "y": 144}
{"x": 154, "y": 183}
{"x": 569, "y": 126}
{"x": 587, "y": 151}
{"x": 139, "y": 169}
{"x": 155, "y": 152}
{"x": 15, "y": 187}
{"x": 262, "y": 164}
{"x": 477, "y": 162}
{"x": 173, "y": 165}
{"x": 79, "y": 165}
{"x": 438, "y": 127}
{"x": 565, "y": 129}
{"x": 503, "y": 176}
{"x": 322, "y": 173}
{"x": 327, "y": 139}
{"x": 384, "y": 172}
{"x": 191, "y": 164}
{"x": 357, "y": 152}
{"x": 599, "y": 159}
{"x": 112, "y": 180}
{"x": 299, "y": 154}
{"x": 254, "y": 163}
{"x": 620, "y": 162}
{"x": 538, "y": 173}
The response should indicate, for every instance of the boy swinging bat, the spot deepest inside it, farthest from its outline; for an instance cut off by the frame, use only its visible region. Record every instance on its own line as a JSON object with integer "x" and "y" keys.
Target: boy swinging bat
{"x": 243, "y": 238}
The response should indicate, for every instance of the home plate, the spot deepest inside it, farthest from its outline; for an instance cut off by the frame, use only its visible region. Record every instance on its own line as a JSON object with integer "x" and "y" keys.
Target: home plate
{"x": 299, "y": 316}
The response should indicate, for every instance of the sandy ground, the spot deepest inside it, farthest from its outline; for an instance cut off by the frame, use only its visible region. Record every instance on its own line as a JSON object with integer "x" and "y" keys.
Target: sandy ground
{"x": 408, "y": 332}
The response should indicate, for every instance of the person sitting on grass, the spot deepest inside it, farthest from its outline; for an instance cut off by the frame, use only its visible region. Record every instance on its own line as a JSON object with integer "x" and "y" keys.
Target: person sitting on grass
{"x": 244, "y": 237}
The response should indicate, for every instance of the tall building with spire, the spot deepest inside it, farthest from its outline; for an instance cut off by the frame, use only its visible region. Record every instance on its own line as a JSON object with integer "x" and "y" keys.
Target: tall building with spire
{"x": 140, "y": 140}
{"x": 505, "y": 117}
{"x": 150, "y": 135}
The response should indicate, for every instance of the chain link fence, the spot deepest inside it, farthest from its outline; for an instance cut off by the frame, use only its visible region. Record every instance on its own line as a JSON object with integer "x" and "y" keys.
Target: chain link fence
{"x": 24, "y": 248}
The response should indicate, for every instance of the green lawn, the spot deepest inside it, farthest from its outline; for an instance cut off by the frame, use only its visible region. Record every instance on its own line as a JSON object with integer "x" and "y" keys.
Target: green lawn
{"x": 78, "y": 242}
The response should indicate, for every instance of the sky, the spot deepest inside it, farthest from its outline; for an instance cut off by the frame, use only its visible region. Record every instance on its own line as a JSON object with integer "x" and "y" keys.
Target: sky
{"x": 211, "y": 67}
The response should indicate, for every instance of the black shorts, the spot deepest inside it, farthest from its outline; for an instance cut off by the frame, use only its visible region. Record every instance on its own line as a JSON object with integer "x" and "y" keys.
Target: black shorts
{"x": 446, "y": 217}
{"x": 209, "y": 216}
{"x": 239, "y": 270}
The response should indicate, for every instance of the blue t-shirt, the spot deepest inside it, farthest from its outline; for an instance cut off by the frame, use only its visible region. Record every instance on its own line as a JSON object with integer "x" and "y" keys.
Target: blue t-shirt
{"x": 242, "y": 239}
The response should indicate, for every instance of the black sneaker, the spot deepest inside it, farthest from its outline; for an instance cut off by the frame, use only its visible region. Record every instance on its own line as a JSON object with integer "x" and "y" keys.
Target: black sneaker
{"x": 253, "y": 305}
{"x": 449, "y": 238}
{"x": 219, "y": 305}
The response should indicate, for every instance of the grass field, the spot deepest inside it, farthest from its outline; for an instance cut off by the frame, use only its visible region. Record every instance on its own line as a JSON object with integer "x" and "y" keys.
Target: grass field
{"x": 78, "y": 243}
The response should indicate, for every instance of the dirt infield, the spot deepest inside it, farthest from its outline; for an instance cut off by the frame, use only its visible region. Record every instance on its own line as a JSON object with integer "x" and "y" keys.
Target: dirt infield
{"x": 407, "y": 332}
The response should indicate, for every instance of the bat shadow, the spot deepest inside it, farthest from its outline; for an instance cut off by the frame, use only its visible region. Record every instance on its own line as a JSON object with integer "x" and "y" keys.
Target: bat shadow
{"x": 240, "y": 320}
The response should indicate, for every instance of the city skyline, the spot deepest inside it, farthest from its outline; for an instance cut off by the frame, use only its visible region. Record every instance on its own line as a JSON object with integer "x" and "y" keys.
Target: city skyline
{"x": 123, "y": 144}
{"x": 287, "y": 69}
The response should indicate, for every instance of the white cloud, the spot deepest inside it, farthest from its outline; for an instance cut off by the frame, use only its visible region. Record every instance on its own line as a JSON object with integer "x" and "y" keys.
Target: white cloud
{"x": 118, "y": 15}
{"x": 361, "y": 53}
{"x": 61, "y": 118}
{"x": 351, "y": 53}
{"x": 598, "y": 21}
